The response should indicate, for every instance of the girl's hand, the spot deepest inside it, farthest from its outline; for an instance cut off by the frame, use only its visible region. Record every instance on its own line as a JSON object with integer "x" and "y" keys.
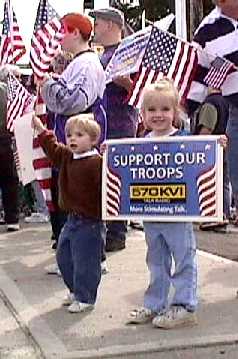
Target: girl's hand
{"x": 103, "y": 147}
{"x": 223, "y": 141}
{"x": 37, "y": 124}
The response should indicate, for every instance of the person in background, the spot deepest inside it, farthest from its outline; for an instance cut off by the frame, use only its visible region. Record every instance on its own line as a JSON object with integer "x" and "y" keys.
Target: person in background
{"x": 8, "y": 174}
{"x": 80, "y": 87}
{"x": 217, "y": 34}
{"x": 121, "y": 118}
{"x": 80, "y": 243}
{"x": 211, "y": 119}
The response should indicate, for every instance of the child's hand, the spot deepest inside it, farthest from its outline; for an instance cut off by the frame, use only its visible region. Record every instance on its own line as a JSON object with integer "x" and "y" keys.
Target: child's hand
{"x": 37, "y": 124}
{"x": 103, "y": 147}
{"x": 223, "y": 140}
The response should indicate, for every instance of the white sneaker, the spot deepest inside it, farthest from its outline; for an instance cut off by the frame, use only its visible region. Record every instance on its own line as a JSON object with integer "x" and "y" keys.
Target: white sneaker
{"x": 37, "y": 218}
{"x": 141, "y": 316}
{"x": 176, "y": 316}
{"x": 104, "y": 267}
{"x": 69, "y": 299}
{"x": 53, "y": 269}
{"x": 13, "y": 227}
{"x": 78, "y": 307}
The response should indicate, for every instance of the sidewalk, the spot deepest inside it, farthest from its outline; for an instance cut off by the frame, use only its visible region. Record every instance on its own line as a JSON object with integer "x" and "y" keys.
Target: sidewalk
{"x": 36, "y": 298}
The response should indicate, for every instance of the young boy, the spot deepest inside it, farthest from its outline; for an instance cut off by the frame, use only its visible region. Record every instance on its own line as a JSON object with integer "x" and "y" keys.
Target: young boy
{"x": 80, "y": 242}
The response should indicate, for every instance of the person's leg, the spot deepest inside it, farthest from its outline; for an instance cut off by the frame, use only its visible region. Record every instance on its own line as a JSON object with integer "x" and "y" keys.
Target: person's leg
{"x": 232, "y": 153}
{"x": 86, "y": 245}
{"x": 116, "y": 235}
{"x": 40, "y": 201}
{"x": 64, "y": 256}
{"x": 226, "y": 189}
{"x": 159, "y": 262}
{"x": 10, "y": 199}
{"x": 182, "y": 244}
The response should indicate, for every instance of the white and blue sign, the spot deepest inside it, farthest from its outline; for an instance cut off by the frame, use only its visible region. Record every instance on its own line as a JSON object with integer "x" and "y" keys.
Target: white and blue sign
{"x": 172, "y": 179}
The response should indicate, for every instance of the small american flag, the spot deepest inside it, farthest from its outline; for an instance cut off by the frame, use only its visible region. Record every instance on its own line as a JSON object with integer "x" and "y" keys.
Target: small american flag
{"x": 218, "y": 72}
{"x": 48, "y": 33}
{"x": 12, "y": 47}
{"x": 113, "y": 191}
{"x": 18, "y": 99}
{"x": 168, "y": 56}
{"x": 206, "y": 184}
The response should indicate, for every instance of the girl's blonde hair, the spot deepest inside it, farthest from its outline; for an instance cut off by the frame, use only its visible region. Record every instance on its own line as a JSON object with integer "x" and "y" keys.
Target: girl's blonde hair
{"x": 84, "y": 123}
{"x": 164, "y": 87}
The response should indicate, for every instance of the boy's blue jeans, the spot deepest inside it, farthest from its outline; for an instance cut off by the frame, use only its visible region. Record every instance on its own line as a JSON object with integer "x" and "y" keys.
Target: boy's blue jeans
{"x": 164, "y": 241}
{"x": 79, "y": 256}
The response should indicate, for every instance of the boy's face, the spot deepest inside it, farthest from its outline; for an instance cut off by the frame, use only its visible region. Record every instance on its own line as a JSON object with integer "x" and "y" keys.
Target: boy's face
{"x": 159, "y": 114}
{"x": 78, "y": 141}
{"x": 69, "y": 40}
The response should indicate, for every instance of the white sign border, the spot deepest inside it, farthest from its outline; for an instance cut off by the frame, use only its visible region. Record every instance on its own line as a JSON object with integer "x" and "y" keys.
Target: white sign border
{"x": 157, "y": 218}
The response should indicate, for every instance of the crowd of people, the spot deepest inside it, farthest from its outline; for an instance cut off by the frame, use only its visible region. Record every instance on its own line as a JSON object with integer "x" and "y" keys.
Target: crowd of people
{"x": 82, "y": 112}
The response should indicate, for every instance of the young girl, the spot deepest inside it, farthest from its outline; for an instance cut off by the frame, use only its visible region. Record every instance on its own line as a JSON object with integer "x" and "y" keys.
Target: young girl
{"x": 160, "y": 111}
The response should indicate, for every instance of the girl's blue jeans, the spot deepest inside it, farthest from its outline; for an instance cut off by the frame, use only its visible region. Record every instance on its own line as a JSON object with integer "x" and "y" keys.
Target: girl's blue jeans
{"x": 79, "y": 256}
{"x": 164, "y": 242}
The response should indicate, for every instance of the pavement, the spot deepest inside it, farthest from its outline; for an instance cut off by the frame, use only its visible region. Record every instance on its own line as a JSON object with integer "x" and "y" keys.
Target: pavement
{"x": 33, "y": 324}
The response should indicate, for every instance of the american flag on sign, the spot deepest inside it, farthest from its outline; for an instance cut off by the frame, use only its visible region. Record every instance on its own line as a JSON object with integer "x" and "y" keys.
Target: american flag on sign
{"x": 48, "y": 33}
{"x": 11, "y": 46}
{"x": 168, "y": 56}
{"x": 18, "y": 100}
{"x": 41, "y": 163}
{"x": 218, "y": 72}
{"x": 113, "y": 192}
{"x": 206, "y": 184}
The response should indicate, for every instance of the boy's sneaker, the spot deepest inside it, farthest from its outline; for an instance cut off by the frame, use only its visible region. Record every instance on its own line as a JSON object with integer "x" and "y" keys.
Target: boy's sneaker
{"x": 104, "y": 267}
{"x": 176, "y": 316}
{"x": 13, "y": 227}
{"x": 37, "y": 218}
{"x": 69, "y": 299}
{"x": 141, "y": 316}
{"x": 78, "y": 307}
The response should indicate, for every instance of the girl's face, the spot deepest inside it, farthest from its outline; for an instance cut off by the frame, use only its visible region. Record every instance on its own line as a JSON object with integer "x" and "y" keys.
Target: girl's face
{"x": 159, "y": 114}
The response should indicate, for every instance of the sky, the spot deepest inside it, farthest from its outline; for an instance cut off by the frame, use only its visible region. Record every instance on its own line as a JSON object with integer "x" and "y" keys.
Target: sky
{"x": 26, "y": 13}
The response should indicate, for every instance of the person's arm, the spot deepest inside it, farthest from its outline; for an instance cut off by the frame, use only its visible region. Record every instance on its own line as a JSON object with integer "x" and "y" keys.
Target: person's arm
{"x": 55, "y": 151}
{"x": 207, "y": 119}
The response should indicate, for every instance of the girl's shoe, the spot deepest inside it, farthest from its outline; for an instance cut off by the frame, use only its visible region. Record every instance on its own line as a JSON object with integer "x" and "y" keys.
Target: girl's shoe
{"x": 68, "y": 299}
{"x": 176, "y": 316}
{"x": 78, "y": 307}
{"x": 141, "y": 316}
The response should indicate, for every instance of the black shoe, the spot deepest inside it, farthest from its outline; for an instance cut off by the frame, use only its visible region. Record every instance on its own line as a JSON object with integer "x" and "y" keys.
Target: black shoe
{"x": 136, "y": 225}
{"x": 113, "y": 245}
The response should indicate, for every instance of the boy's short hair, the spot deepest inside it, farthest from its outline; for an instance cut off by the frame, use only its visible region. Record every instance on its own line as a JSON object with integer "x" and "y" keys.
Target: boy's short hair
{"x": 85, "y": 123}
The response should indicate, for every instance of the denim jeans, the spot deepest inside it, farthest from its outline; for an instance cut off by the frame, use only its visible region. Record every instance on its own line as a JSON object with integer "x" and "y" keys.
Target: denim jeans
{"x": 41, "y": 206}
{"x": 232, "y": 150}
{"x": 116, "y": 230}
{"x": 79, "y": 256}
{"x": 164, "y": 242}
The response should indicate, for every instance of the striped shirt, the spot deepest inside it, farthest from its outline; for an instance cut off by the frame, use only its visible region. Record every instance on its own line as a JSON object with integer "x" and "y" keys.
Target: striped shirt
{"x": 218, "y": 35}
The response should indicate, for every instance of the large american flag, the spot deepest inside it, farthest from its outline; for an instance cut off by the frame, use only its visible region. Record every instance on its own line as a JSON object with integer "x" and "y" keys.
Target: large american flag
{"x": 41, "y": 164}
{"x": 168, "y": 56}
{"x": 18, "y": 100}
{"x": 218, "y": 72}
{"x": 48, "y": 33}
{"x": 11, "y": 47}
